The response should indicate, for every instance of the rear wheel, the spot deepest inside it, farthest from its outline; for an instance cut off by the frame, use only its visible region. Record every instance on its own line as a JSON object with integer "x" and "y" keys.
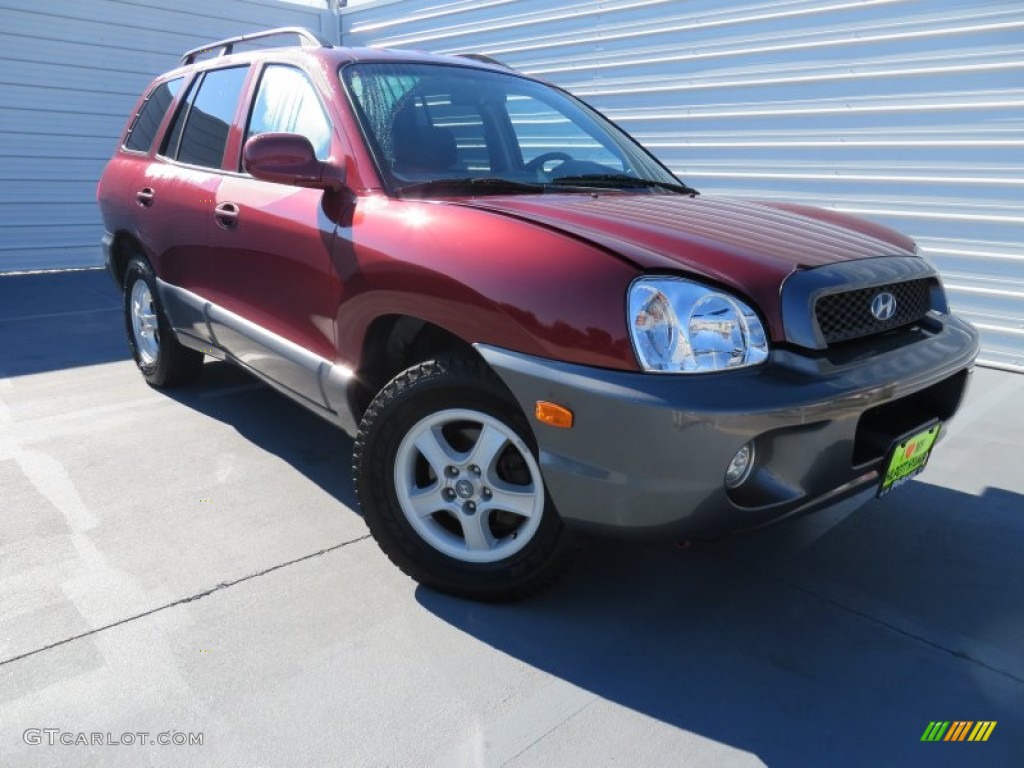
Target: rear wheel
{"x": 162, "y": 361}
{"x": 450, "y": 487}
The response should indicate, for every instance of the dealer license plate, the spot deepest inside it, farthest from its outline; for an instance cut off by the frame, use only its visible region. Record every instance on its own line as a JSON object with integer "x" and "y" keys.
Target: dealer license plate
{"x": 907, "y": 458}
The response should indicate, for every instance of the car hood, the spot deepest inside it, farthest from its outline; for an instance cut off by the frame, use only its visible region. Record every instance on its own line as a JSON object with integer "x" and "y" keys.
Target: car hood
{"x": 749, "y": 246}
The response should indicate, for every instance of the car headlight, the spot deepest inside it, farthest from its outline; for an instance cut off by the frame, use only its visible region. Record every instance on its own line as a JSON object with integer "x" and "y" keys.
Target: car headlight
{"x": 679, "y": 326}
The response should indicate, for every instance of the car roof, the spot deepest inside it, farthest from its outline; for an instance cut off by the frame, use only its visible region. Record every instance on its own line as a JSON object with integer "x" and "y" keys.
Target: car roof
{"x": 339, "y": 55}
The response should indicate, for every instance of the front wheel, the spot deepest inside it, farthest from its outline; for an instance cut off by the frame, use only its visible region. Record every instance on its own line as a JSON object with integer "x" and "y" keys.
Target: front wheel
{"x": 450, "y": 487}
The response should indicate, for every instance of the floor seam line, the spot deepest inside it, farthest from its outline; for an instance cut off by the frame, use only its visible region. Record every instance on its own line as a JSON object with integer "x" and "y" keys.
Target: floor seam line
{"x": 181, "y": 601}
{"x": 551, "y": 730}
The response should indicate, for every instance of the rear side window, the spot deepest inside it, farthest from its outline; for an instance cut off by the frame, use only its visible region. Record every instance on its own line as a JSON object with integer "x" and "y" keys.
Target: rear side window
{"x": 200, "y": 131}
{"x": 147, "y": 120}
{"x": 286, "y": 102}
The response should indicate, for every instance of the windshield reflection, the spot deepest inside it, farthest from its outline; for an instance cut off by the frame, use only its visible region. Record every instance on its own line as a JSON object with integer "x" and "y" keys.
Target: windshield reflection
{"x": 433, "y": 128}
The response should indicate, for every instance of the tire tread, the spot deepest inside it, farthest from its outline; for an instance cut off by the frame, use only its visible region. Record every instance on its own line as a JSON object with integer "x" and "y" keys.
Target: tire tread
{"x": 370, "y": 480}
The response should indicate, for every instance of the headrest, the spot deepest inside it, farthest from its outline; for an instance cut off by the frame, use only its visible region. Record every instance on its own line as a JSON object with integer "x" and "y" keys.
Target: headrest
{"x": 419, "y": 146}
{"x": 423, "y": 147}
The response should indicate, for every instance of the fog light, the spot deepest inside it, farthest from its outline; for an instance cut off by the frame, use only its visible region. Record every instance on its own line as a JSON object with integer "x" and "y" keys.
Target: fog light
{"x": 739, "y": 468}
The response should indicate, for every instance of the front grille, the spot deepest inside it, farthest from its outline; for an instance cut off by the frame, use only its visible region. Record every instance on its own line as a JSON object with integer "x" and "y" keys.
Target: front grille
{"x": 845, "y": 316}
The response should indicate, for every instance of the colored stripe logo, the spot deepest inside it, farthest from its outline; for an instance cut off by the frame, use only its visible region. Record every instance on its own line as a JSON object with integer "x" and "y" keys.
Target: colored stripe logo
{"x": 958, "y": 730}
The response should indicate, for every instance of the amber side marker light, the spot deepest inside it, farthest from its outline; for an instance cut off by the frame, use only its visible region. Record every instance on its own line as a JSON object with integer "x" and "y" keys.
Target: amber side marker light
{"x": 553, "y": 414}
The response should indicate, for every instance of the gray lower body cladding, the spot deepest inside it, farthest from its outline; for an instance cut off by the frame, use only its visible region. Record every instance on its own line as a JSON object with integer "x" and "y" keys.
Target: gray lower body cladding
{"x": 318, "y": 384}
{"x": 647, "y": 453}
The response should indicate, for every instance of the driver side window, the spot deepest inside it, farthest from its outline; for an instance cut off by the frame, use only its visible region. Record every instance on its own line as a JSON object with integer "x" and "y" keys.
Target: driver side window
{"x": 541, "y": 130}
{"x": 286, "y": 102}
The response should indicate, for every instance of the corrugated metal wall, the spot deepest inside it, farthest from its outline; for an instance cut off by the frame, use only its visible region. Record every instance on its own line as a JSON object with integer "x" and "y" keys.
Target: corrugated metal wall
{"x": 70, "y": 73}
{"x": 910, "y": 113}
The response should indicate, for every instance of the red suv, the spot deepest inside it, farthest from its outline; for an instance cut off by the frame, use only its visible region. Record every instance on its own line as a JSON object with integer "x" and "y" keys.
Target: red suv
{"x": 527, "y": 322}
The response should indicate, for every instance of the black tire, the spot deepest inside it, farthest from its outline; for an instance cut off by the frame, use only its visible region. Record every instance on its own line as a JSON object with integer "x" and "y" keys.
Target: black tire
{"x": 172, "y": 364}
{"x": 430, "y": 390}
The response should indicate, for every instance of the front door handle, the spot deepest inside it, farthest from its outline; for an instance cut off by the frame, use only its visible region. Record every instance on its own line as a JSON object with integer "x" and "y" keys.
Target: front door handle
{"x": 226, "y": 215}
{"x": 144, "y": 197}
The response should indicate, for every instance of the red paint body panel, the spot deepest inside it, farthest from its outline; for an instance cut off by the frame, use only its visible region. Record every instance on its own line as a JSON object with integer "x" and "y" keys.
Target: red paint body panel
{"x": 483, "y": 277}
{"x": 177, "y": 226}
{"x": 748, "y": 247}
{"x": 844, "y": 220}
{"x": 274, "y": 266}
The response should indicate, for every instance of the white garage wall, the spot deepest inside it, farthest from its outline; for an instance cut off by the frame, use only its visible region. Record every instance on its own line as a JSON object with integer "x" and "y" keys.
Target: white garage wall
{"x": 910, "y": 113}
{"x": 70, "y": 72}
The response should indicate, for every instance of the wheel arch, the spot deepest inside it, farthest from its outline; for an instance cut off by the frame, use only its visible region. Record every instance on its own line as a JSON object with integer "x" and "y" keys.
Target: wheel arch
{"x": 123, "y": 249}
{"x": 394, "y": 342}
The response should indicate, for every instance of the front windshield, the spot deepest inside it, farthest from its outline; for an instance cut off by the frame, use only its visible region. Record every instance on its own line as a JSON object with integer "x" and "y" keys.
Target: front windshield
{"x": 435, "y": 126}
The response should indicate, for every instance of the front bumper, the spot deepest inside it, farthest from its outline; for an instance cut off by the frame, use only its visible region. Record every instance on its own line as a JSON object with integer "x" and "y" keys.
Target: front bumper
{"x": 647, "y": 453}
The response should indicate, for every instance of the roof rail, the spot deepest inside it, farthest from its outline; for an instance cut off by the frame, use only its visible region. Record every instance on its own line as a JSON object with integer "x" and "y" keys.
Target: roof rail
{"x": 306, "y": 38}
{"x": 484, "y": 59}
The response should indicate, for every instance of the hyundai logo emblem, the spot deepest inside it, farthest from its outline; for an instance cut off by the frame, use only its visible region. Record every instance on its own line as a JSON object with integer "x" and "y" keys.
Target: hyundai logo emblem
{"x": 464, "y": 489}
{"x": 883, "y": 306}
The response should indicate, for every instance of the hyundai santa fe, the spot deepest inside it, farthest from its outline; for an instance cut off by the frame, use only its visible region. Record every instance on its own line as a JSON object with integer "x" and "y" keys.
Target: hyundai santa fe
{"x": 529, "y": 325}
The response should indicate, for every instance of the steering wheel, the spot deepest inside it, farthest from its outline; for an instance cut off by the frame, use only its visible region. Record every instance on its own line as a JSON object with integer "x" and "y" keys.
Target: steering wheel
{"x": 537, "y": 164}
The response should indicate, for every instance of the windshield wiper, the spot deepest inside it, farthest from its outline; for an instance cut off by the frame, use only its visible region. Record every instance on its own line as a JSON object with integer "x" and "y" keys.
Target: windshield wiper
{"x": 622, "y": 181}
{"x": 489, "y": 184}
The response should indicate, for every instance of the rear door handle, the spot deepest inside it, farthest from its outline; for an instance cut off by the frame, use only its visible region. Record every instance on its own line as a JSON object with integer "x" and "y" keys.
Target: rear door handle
{"x": 144, "y": 197}
{"x": 226, "y": 215}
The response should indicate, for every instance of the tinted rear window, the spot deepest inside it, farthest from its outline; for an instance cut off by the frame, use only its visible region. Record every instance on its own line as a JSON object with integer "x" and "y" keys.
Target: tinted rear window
{"x": 207, "y": 119}
{"x": 148, "y": 119}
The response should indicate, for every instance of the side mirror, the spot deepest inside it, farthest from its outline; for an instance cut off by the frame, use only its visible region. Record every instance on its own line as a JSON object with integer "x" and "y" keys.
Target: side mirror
{"x": 288, "y": 158}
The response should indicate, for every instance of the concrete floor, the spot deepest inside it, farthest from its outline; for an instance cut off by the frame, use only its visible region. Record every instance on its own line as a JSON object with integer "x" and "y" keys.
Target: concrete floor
{"x": 191, "y": 562}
